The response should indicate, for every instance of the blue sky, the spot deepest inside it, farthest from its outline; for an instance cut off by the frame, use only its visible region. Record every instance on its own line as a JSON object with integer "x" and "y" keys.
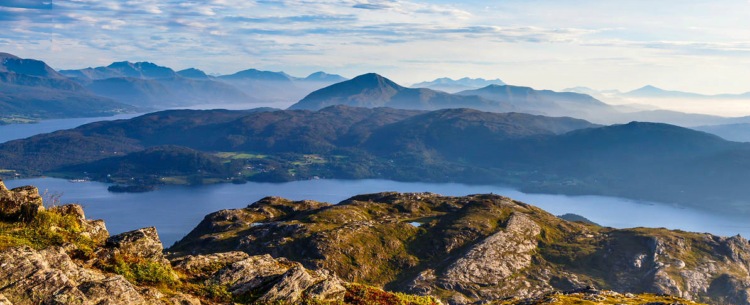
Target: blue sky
{"x": 699, "y": 46}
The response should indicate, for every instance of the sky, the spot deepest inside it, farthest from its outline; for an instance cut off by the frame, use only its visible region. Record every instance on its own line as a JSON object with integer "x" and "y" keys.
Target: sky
{"x": 688, "y": 45}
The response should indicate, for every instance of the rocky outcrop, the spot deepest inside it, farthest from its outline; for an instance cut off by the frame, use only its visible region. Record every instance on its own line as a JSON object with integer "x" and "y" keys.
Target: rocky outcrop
{"x": 479, "y": 248}
{"x": 494, "y": 260}
{"x": 465, "y": 250}
{"x": 266, "y": 279}
{"x": 50, "y": 276}
{"x": 142, "y": 243}
{"x": 19, "y": 204}
{"x": 93, "y": 229}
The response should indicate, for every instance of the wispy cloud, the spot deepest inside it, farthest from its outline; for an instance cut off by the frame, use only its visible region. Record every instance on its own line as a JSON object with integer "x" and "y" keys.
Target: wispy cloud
{"x": 548, "y": 38}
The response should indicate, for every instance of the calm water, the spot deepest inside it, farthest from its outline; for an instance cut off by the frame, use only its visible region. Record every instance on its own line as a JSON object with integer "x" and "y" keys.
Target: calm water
{"x": 175, "y": 210}
{"x": 20, "y": 131}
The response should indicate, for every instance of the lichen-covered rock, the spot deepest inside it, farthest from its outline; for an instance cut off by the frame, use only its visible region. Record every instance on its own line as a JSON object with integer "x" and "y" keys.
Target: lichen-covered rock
{"x": 497, "y": 257}
{"x": 20, "y": 204}
{"x": 3, "y": 299}
{"x": 329, "y": 288}
{"x": 277, "y": 280}
{"x": 206, "y": 265}
{"x": 142, "y": 243}
{"x": 478, "y": 248}
{"x": 94, "y": 229}
{"x": 50, "y": 276}
{"x": 111, "y": 290}
{"x": 249, "y": 274}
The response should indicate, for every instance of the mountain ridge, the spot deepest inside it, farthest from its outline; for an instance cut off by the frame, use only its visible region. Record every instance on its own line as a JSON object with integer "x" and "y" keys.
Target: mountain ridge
{"x": 472, "y": 249}
{"x": 373, "y": 90}
{"x": 57, "y": 255}
{"x": 641, "y": 161}
{"x": 455, "y": 85}
{"x": 31, "y": 90}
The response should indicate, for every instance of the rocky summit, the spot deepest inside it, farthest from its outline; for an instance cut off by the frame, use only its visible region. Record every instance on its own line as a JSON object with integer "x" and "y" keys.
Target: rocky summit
{"x": 477, "y": 248}
{"x": 482, "y": 249}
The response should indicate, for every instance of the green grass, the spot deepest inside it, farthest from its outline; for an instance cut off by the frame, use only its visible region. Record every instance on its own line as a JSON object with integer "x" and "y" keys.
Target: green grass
{"x": 49, "y": 228}
{"x": 141, "y": 271}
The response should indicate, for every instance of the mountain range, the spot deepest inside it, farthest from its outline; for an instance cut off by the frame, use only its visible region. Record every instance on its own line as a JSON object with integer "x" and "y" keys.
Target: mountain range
{"x": 91, "y": 91}
{"x": 455, "y": 85}
{"x": 653, "y": 92}
{"x": 31, "y": 90}
{"x": 643, "y": 161}
{"x": 373, "y": 90}
{"x": 148, "y": 84}
{"x": 649, "y": 91}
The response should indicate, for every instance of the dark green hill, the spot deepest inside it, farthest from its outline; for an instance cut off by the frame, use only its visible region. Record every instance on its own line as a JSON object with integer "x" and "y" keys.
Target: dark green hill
{"x": 647, "y": 161}
{"x": 462, "y": 135}
{"x": 159, "y": 161}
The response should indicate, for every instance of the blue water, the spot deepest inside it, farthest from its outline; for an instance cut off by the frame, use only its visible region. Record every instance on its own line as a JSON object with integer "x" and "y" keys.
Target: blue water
{"x": 20, "y": 131}
{"x": 175, "y": 210}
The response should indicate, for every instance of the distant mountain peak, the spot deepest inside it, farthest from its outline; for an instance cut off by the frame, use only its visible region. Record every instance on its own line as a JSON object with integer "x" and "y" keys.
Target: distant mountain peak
{"x": 8, "y": 55}
{"x": 650, "y": 91}
{"x": 118, "y": 64}
{"x": 374, "y": 80}
{"x": 141, "y": 69}
{"x": 323, "y": 76}
{"x": 648, "y": 88}
{"x": 255, "y": 74}
{"x": 32, "y": 67}
{"x": 193, "y": 73}
{"x": 455, "y": 85}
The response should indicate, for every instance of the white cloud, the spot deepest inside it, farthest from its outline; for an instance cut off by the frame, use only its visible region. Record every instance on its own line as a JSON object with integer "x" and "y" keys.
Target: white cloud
{"x": 533, "y": 42}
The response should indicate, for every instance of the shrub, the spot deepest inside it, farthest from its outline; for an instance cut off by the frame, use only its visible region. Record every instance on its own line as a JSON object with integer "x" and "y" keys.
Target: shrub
{"x": 48, "y": 228}
{"x": 141, "y": 271}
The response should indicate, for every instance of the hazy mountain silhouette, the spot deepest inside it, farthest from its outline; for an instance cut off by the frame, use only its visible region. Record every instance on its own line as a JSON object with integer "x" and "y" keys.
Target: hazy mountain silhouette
{"x": 455, "y": 85}
{"x": 372, "y": 90}
{"x": 193, "y": 73}
{"x": 142, "y": 70}
{"x": 30, "y": 89}
{"x": 545, "y": 102}
{"x": 150, "y": 85}
{"x": 325, "y": 77}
